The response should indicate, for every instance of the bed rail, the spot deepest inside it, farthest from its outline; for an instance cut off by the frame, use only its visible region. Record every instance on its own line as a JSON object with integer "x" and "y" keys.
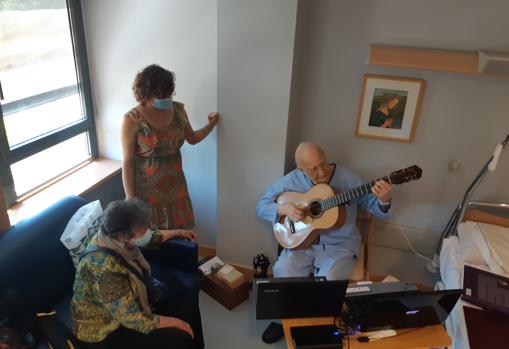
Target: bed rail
{"x": 489, "y": 204}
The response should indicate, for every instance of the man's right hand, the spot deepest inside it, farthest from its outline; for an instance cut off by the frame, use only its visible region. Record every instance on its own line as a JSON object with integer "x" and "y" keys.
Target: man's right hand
{"x": 292, "y": 211}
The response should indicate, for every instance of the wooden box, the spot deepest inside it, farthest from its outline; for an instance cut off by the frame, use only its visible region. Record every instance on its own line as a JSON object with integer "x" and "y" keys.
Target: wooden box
{"x": 228, "y": 297}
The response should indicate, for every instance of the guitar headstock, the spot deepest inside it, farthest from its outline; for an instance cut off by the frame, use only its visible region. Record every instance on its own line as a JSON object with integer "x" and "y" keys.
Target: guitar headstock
{"x": 405, "y": 175}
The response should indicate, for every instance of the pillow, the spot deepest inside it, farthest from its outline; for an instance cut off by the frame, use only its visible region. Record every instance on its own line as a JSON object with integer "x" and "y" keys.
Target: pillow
{"x": 470, "y": 246}
{"x": 496, "y": 239}
{"x": 80, "y": 229}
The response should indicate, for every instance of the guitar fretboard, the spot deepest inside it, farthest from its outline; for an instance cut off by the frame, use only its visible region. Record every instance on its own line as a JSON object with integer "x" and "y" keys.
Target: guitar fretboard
{"x": 350, "y": 195}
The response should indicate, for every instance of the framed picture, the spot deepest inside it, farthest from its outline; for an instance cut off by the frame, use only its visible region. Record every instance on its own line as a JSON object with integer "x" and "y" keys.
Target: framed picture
{"x": 389, "y": 107}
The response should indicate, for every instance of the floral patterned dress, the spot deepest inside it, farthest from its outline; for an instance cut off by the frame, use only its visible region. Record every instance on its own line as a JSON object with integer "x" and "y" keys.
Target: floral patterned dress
{"x": 159, "y": 177}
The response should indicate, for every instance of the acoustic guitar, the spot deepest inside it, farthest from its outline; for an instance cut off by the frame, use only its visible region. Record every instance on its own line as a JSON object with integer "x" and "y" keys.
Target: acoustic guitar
{"x": 325, "y": 209}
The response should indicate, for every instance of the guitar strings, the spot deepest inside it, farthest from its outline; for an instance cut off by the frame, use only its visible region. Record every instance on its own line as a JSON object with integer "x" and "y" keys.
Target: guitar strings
{"x": 353, "y": 193}
{"x": 347, "y": 196}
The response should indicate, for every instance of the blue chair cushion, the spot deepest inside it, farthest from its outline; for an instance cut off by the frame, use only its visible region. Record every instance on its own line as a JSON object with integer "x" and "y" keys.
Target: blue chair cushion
{"x": 33, "y": 261}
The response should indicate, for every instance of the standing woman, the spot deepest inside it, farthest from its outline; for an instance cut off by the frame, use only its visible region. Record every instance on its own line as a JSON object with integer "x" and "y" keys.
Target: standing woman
{"x": 152, "y": 134}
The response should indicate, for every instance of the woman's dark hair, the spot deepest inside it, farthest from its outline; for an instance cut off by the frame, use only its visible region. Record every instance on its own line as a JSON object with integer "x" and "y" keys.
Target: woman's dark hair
{"x": 153, "y": 82}
{"x": 122, "y": 217}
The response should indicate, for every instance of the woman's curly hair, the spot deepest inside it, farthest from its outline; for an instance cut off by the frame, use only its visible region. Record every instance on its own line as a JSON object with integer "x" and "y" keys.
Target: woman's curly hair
{"x": 153, "y": 82}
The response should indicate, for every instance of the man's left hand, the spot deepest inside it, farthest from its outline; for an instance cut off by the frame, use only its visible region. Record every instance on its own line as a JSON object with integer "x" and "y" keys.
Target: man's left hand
{"x": 382, "y": 190}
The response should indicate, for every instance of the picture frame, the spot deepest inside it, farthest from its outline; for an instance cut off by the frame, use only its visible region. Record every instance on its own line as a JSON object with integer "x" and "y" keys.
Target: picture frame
{"x": 389, "y": 107}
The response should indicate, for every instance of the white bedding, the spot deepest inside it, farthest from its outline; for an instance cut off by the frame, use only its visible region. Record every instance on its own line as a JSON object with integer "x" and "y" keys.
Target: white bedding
{"x": 477, "y": 244}
{"x": 451, "y": 270}
{"x": 485, "y": 244}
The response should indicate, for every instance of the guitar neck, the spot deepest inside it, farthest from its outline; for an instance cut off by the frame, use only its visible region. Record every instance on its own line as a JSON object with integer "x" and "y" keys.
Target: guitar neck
{"x": 357, "y": 192}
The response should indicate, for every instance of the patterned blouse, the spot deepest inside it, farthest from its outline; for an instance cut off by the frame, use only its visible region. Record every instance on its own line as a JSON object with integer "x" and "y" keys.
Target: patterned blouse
{"x": 105, "y": 298}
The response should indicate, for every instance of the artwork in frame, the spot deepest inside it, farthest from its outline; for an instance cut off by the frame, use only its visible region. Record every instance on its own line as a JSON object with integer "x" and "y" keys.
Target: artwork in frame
{"x": 389, "y": 107}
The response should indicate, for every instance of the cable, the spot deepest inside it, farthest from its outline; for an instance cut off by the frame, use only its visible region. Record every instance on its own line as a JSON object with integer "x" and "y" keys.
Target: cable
{"x": 399, "y": 332}
{"x": 348, "y": 325}
{"x": 346, "y": 322}
{"x": 409, "y": 244}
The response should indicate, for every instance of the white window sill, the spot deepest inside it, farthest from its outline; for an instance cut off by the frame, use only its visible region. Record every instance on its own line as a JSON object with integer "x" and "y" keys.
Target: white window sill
{"x": 79, "y": 182}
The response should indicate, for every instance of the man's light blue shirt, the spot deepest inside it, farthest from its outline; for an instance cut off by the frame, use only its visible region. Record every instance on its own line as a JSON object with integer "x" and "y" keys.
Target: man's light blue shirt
{"x": 347, "y": 236}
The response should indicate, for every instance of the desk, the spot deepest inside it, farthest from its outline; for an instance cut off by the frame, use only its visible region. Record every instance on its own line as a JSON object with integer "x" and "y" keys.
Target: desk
{"x": 415, "y": 338}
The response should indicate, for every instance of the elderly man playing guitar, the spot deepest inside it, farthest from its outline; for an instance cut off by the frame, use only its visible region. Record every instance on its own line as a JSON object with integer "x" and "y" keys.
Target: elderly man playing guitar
{"x": 314, "y": 208}
{"x": 333, "y": 252}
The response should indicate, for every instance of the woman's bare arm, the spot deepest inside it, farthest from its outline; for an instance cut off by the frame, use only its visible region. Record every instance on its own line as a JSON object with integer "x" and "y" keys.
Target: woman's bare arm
{"x": 128, "y": 141}
{"x": 194, "y": 137}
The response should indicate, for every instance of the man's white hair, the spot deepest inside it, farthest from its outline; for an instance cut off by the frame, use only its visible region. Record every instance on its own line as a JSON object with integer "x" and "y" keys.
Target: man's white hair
{"x": 305, "y": 149}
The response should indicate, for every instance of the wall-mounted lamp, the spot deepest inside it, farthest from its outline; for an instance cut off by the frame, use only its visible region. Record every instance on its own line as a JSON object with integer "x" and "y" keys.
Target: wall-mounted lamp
{"x": 469, "y": 62}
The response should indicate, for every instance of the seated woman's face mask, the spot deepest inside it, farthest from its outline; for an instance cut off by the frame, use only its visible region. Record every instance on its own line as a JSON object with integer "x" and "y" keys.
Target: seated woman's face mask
{"x": 145, "y": 239}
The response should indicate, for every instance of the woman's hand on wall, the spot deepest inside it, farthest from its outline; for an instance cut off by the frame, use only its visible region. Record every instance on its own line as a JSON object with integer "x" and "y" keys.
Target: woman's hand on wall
{"x": 213, "y": 119}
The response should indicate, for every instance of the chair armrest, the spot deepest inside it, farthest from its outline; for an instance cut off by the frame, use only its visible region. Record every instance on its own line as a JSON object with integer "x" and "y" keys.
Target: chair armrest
{"x": 175, "y": 253}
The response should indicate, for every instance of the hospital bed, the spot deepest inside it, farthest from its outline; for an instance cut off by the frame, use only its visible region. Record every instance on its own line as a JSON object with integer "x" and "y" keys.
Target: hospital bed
{"x": 482, "y": 240}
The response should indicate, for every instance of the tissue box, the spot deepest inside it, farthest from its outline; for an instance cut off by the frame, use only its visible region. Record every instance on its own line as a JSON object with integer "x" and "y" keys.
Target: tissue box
{"x": 229, "y": 297}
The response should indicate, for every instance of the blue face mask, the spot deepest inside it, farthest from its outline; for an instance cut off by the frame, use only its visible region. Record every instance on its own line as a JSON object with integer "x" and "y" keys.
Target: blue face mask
{"x": 145, "y": 239}
{"x": 164, "y": 103}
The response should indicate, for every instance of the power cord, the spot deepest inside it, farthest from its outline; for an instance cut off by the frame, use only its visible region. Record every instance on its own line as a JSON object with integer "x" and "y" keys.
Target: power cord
{"x": 410, "y": 244}
{"x": 346, "y": 323}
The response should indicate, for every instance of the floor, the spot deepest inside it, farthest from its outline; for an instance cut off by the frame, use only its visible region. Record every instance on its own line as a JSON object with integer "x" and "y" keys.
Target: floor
{"x": 237, "y": 328}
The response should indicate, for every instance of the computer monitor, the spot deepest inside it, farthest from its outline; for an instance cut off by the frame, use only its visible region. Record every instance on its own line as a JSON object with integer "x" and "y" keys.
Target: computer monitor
{"x": 485, "y": 289}
{"x": 402, "y": 310}
{"x": 283, "y": 298}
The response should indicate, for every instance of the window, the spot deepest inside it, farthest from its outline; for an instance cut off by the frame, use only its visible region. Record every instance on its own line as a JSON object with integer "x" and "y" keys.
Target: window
{"x": 46, "y": 120}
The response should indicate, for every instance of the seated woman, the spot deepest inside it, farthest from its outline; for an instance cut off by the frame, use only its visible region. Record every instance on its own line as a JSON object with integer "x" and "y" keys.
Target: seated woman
{"x": 113, "y": 304}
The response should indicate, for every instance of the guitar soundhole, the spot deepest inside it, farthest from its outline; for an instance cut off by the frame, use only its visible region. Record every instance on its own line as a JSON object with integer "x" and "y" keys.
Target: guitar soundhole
{"x": 315, "y": 209}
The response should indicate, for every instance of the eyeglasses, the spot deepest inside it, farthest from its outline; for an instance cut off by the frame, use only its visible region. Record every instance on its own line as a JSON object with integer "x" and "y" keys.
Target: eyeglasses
{"x": 315, "y": 170}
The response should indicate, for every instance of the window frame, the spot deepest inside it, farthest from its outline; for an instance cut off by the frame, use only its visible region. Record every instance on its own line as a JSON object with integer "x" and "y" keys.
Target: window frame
{"x": 87, "y": 124}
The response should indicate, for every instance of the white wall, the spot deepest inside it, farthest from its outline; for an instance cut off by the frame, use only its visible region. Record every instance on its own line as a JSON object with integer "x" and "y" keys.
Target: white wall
{"x": 123, "y": 36}
{"x": 463, "y": 117}
{"x": 255, "y": 49}
{"x": 238, "y": 57}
